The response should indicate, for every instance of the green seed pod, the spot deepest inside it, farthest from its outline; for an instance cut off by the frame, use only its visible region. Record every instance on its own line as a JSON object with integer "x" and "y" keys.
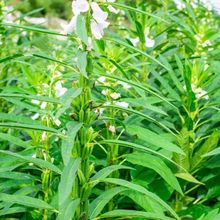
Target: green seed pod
{"x": 81, "y": 115}
{"x": 90, "y": 134}
{"x": 81, "y": 176}
{"x": 91, "y": 169}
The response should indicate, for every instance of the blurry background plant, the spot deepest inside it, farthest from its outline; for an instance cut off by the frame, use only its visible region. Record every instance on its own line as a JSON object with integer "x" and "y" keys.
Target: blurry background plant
{"x": 58, "y": 8}
{"x": 145, "y": 123}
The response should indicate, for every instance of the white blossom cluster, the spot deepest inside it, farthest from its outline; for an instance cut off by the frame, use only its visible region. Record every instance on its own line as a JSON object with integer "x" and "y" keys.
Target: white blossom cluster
{"x": 210, "y": 5}
{"x": 199, "y": 92}
{"x": 149, "y": 42}
{"x": 112, "y": 97}
{"x": 99, "y": 17}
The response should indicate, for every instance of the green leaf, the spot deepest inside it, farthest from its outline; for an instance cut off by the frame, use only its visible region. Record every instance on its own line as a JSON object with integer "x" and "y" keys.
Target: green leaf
{"x": 188, "y": 177}
{"x": 68, "y": 143}
{"x": 16, "y": 176}
{"x": 25, "y": 201}
{"x": 208, "y": 146}
{"x": 145, "y": 87}
{"x": 36, "y": 161}
{"x": 35, "y": 29}
{"x": 34, "y": 97}
{"x": 140, "y": 148}
{"x": 67, "y": 99}
{"x": 158, "y": 165}
{"x": 67, "y": 180}
{"x": 13, "y": 210}
{"x": 145, "y": 202}
{"x": 142, "y": 115}
{"x": 103, "y": 173}
{"x": 101, "y": 201}
{"x": 141, "y": 189}
{"x": 69, "y": 211}
{"x": 212, "y": 153}
{"x": 154, "y": 139}
{"x": 131, "y": 213}
{"x": 14, "y": 140}
{"x": 127, "y": 7}
{"x": 28, "y": 127}
{"x": 212, "y": 215}
{"x": 81, "y": 29}
{"x": 82, "y": 62}
{"x": 5, "y": 117}
{"x": 143, "y": 102}
{"x": 123, "y": 43}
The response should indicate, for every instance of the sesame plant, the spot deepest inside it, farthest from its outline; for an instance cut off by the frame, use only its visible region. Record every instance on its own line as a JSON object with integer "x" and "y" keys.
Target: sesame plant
{"x": 113, "y": 116}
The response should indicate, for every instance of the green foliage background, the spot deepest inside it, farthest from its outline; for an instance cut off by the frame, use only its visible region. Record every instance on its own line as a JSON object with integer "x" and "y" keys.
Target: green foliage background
{"x": 60, "y": 157}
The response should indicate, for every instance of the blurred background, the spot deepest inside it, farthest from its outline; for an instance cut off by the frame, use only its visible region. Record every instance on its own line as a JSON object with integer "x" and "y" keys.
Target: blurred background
{"x": 57, "y": 8}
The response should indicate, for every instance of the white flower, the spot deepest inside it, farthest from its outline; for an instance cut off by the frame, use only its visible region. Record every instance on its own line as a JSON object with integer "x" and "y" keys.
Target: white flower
{"x": 44, "y": 136}
{"x": 98, "y": 29}
{"x": 207, "y": 4}
{"x": 35, "y": 116}
{"x": 125, "y": 85}
{"x": 105, "y": 92}
{"x": 107, "y": 103}
{"x": 90, "y": 46}
{"x": 98, "y": 14}
{"x": 99, "y": 111}
{"x": 99, "y": 22}
{"x": 207, "y": 43}
{"x": 101, "y": 79}
{"x": 179, "y": 4}
{"x": 35, "y": 20}
{"x": 115, "y": 95}
{"x": 43, "y": 105}
{"x": 113, "y": 10}
{"x": 33, "y": 156}
{"x": 36, "y": 102}
{"x": 79, "y": 6}
{"x": 122, "y": 104}
{"x": 216, "y": 6}
{"x": 134, "y": 41}
{"x": 206, "y": 67}
{"x": 149, "y": 42}
{"x": 57, "y": 122}
{"x": 112, "y": 128}
{"x": 59, "y": 89}
{"x": 199, "y": 92}
{"x": 71, "y": 26}
{"x": 24, "y": 34}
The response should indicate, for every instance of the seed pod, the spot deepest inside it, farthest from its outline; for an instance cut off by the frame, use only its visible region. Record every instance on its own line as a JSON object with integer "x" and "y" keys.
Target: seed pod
{"x": 81, "y": 115}
{"x": 81, "y": 176}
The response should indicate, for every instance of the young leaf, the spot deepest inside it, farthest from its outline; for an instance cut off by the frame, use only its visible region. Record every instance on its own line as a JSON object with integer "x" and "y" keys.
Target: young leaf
{"x": 69, "y": 211}
{"x": 157, "y": 165}
{"x": 25, "y": 201}
{"x": 81, "y": 29}
{"x": 141, "y": 189}
{"x": 103, "y": 173}
{"x": 154, "y": 139}
{"x": 67, "y": 180}
{"x": 36, "y": 161}
{"x": 68, "y": 143}
{"x": 132, "y": 214}
{"x": 101, "y": 201}
{"x": 141, "y": 148}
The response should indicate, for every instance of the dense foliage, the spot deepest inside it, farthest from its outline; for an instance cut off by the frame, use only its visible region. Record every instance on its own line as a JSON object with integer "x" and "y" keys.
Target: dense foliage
{"x": 115, "y": 116}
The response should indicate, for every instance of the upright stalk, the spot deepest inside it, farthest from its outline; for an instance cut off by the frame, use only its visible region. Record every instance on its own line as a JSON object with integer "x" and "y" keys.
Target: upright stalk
{"x": 83, "y": 145}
